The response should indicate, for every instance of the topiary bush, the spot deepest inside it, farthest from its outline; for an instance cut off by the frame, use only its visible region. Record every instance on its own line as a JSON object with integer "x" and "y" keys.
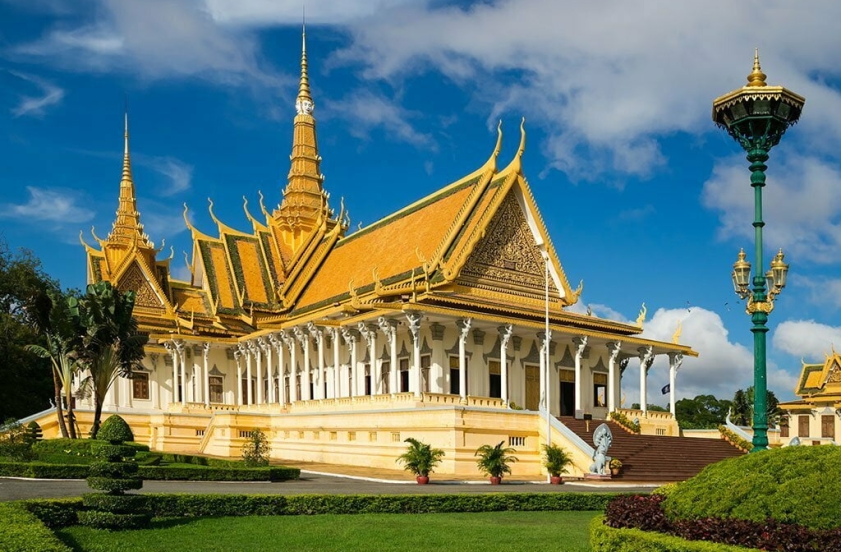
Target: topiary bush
{"x": 116, "y": 430}
{"x": 790, "y": 485}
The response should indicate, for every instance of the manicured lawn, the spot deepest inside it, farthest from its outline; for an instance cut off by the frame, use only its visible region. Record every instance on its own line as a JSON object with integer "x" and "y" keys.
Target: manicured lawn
{"x": 488, "y": 531}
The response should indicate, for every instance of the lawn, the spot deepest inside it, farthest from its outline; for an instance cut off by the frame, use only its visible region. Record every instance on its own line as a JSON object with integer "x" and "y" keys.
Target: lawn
{"x": 487, "y": 531}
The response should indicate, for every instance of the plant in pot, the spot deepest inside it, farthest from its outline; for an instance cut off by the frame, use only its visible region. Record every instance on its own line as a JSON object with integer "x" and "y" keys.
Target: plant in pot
{"x": 420, "y": 459}
{"x": 556, "y": 460}
{"x": 615, "y": 466}
{"x": 495, "y": 461}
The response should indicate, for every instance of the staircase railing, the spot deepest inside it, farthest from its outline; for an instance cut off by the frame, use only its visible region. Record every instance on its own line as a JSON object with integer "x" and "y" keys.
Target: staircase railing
{"x": 569, "y": 434}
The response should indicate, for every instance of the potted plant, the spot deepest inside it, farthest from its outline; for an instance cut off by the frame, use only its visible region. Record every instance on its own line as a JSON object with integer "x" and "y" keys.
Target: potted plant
{"x": 615, "y": 466}
{"x": 420, "y": 459}
{"x": 556, "y": 461}
{"x": 495, "y": 461}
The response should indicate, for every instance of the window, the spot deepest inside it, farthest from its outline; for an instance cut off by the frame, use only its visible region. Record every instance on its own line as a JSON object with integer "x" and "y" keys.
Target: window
{"x": 425, "y": 363}
{"x": 368, "y": 379}
{"x": 454, "y": 381}
{"x": 216, "y": 390}
{"x": 599, "y": 389}
{"x": 140, "y": 385}
{"x": 828, "y": 426}
{"x": 803, "y": 426}
{"x": 494, "y": 379}
{"x": 386, "y": 375}
{"x": 784, "y": 427}
{"x": 404, "y": 375}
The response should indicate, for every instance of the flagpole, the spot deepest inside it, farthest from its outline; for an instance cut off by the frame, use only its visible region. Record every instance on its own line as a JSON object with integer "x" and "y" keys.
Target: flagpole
{"x": 546, "y": 343}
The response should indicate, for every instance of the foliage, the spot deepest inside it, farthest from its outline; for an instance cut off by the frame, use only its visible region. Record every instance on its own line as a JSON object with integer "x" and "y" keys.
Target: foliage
{"x": 645, "y": 513}
{"x": 255, "y": 451}
{"x": 76, "y": 447}
{"x": 116, "y": 430}
{"x": 615, "y": 464}
{"x": 665, "y": 490}
{"x": 113, "y": 470}
{"x": 111, "y": 345}
{"x": 631, "y": 425}
{"x": 22, "y": 531}
{"x": 772, "y": 404}
{"x": 488, "y": 532}
{"x": 115, "y": 503}
{"x": 604, "y": 538}
{"x": 196, "y": 473}
{"x": 495, "y": 461}
{"x": 556, "y": 459}
{"x": 742, "y": 410}
{"x": 420, "y": 458}
{"x": 101, "y": 519}
{"x": 16, "y": 441}
{"x": 27, "y": 380}
{"x": 651, "y": 407}
{"x": 40, "y": 470}
{"x": 54, "y": 512}
{"x": 702, "y": 412}
{"x": 734, "y": 439}
{"x": 790, "y": 485}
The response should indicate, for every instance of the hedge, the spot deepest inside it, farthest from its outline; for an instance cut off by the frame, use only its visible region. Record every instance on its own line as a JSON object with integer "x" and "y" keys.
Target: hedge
{"x": 54, "y": 512}
{"x": 22, "y": 531}
{"x": 190, "y": 473}
{"x": 39, "y": 470}
{"x": 75, "y": 447}
{"x": 608, "y": 539}
{"x": 201, "y": 461}
{"x": 113, "y": 521}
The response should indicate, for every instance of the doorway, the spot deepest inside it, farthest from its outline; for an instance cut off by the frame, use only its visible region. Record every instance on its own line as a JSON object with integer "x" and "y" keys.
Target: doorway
{"x": 532, "y": 387}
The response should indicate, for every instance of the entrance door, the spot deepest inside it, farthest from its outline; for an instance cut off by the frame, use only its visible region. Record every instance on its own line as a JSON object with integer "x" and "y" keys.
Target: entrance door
{"x": 532, "y": 387}
{"x": 803, "y": 426}
{"x": 828, "y": 426}
{"x": 567, "y": 398}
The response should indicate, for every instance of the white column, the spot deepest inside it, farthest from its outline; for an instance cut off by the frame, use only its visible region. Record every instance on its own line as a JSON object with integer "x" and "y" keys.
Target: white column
{"x": 249, "y": 388}
{"x": 258, "y": 356}
{"x": 414, "y": 328}
{"x": 318, "y": 335}
{"x": 269, "y": 345}
{"x": 181, "y": 361}
{"x": 389, "y": 328}
{"x": 293, "y": 369}
{"x": 646, "y": 358}
{"x": 350, "y": 339}
{"x": 369, "y": 332}
{"x": 464, "y": 329}
{"x": 546, "y": 369}
{"x": 238, "y": 358}
{"x": 281, "y": 370}
{"x": 580, "y": 345}
{"x": 194, "y": 377}
{"x": 613, "y": 349}
{"x": 206, "y": 386}
{"x": 170, "y": 347}
{"x": 304, "y": 340}
{"x": 504, "y": 335}
{"x": 154, "y": 384}
{"x": 334, "y": 332}
{"x": 675, "y": 360}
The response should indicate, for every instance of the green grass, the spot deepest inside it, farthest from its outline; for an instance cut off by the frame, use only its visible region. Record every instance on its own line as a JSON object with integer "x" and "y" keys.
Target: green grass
{"x": 488, "y": 531}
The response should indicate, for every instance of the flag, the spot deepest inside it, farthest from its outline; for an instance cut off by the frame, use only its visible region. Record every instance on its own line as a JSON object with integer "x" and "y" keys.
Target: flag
{"x": 666, "y": 388}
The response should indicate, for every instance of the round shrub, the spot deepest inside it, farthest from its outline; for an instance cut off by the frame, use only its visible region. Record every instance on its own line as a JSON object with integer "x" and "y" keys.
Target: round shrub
{"x": 790, "y": 485}
{"x": 114, "y": 486}
{"x": 119, "y": 504}
{"x": 113, "y": 453}
{"x": 114, "y": 470}
{"x": 116, "y": 430}
{"x": 109, "y": 520}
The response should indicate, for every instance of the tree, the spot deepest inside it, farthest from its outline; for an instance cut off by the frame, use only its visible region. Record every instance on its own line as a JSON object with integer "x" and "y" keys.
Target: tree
{"x": 773, "y": 410}
{"x": 255, "y": 451}
{"x": 26, "y": 378}
{"x": 58, "y": 320}
{"x": 702, "y": 412}
{"x": 651, "y": 407}
{"x": 111, "y": 345}
{"x": 420, "y": 458}
{"x": 742, "y": 409}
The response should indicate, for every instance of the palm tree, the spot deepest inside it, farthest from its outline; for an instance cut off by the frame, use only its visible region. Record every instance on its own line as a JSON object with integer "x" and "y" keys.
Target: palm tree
{"x": 420, "y": 458}
{"x": 57, "y": 319}
{"x": 111, "y": 344}
{"x": 495, "y": 461}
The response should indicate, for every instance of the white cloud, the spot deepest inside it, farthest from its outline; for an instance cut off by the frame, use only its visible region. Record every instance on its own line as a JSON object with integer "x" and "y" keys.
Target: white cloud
{"x": 822, "y": 291}
{"x": 179, "y": 173}
{"x": 162, "y": 221}
{"x": 55, "y": 205}
{"x": 800, "y": 202}
{"x": 369, "y": 111}
{"x": 269, "y": 12}
{"x": 50, "y": 95}
{"x": 806, "y": 339}
{"x": 597, "y": 309}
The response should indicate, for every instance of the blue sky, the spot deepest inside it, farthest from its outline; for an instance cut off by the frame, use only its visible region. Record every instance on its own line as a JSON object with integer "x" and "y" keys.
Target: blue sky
{"x": 645, "y": 199}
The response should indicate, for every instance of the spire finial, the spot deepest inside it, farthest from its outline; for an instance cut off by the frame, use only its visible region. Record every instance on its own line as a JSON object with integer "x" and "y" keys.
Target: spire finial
{"x": 756, "y": 77}
{"x": 126, "y": 156}
{"x": 304, "y": 104}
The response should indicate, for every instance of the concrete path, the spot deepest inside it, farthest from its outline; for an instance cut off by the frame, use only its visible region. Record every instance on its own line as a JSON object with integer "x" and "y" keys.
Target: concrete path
{"x": 310, "y": 483}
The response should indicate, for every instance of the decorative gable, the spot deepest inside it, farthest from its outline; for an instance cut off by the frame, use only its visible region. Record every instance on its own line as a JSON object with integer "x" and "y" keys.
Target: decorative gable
{"x": 134, "y": 279}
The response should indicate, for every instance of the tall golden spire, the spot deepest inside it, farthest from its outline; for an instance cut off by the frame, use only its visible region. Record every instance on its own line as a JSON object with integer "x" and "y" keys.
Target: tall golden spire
{"x": 756, "y": 77}
{"x": 127, "y": 228}
{"x": 304, "y": 200}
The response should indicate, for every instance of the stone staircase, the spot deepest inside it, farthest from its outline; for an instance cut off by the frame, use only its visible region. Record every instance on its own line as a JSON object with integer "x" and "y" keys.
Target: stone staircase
{"x": 651, "y": 458}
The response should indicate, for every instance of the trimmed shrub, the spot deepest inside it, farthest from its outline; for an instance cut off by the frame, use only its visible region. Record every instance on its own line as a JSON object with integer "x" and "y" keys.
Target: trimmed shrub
{"x": 114, "y": 470}
{"x": 111, "y": 452}
{"x": 114, "y": 486}
{"x": 665, "y": 490}
{"x": 202, "y": 473}
{"x": 22, "y": 531}
{"x": 638, "y": 512}
{"x": 71, "y": 447}
{"x": 16, "y": 441}
{"x": 39, "y": 470}
{"x": 607, "y": 539}
{"x": 99, "y": 519}
{"x": 120, "y": 504}
{"x": 790, "y": 485}
{"x": 116, "y": 430}
{"x": 54, "y": 512}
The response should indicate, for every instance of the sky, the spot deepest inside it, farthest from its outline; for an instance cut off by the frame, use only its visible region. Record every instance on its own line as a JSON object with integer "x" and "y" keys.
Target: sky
{"x": 645, "y": 199}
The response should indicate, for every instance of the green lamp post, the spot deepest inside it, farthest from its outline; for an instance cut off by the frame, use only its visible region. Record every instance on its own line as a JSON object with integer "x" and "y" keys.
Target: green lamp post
{"x": 757, "y": 116}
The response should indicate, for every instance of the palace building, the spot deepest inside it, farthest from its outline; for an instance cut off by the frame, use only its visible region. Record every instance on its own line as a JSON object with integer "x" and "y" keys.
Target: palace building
{"x": 430, "y": 323}
{"x": 814, "y": 417}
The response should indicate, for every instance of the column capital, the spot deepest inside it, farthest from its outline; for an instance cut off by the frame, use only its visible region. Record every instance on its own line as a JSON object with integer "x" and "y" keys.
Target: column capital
{"x": 206, "y": 349}
{"x": 463, "y": 326}
{"x": 414, "y": 319}
{"x": 350, "y": 335}
{"x": 367, "y": 331}
{"x": 646, "y": 357}
{"x": 675, "y": 360}
{"x": 316, "y": 332}
{"x": 580, "y": 342}
{"x": 613, "y": 349}
{"x": 505, "y": 333}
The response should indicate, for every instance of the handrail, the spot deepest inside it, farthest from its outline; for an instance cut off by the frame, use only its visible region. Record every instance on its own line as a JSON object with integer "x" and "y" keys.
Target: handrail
{"x": 569, "y": 434}
{"x": 736, "y": 429}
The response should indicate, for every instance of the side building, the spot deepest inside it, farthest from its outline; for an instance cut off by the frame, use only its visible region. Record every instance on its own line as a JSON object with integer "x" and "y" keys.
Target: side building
{"x": 430, "y": 323}
{"x": 814, "y": 418}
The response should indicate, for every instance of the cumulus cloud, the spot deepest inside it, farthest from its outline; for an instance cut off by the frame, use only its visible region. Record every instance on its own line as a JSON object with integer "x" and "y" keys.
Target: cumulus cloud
{"x": 806, "y": 339}
{"x": 269, "y": 12}
{"x": 801, "y": 197}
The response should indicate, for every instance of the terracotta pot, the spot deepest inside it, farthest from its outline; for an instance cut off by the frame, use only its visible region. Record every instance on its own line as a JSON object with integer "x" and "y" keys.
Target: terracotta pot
{"x": 496, "y": 480}
{"x": 556, "y": 479}
{"x": 423, "y": 479}
{"x": 614, "y": 471}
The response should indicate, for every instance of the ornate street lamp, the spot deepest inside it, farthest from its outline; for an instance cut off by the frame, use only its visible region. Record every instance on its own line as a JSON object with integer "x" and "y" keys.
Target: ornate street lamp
{"x": 757, "y": 116}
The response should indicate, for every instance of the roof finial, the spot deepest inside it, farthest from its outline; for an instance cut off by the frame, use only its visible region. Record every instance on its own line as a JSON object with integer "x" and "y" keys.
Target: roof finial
{"x": 756, "y": 77}
{"x": 304, "y": 103}
{"x": 126, "y": 156}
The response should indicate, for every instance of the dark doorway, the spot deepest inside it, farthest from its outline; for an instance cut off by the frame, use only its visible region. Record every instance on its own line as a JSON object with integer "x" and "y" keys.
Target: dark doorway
{"x": 495, "y": 386}
{"x": 567, "y": 398}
